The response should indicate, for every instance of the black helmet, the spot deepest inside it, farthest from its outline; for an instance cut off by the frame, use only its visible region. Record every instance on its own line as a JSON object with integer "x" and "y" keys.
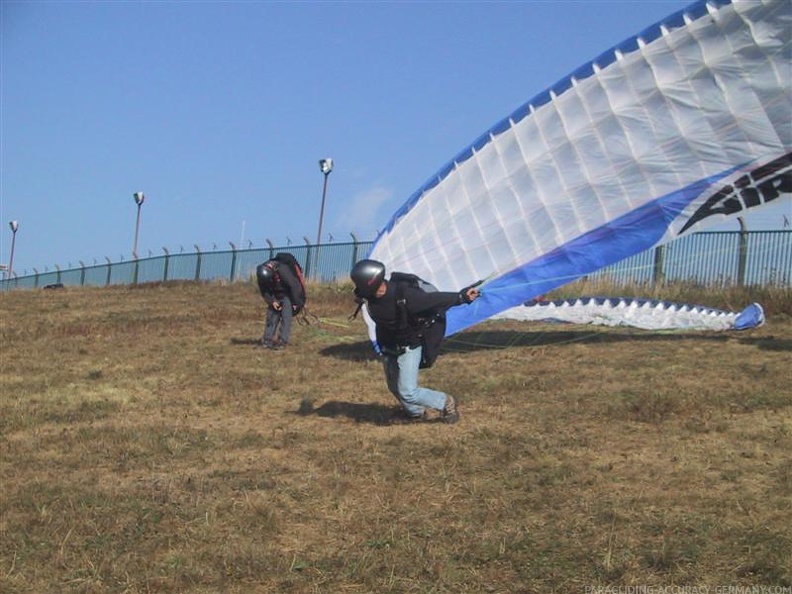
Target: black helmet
{"x": 265, "y": 275}
{"x": 265, "y": 272}
{"x": 367, "y": 276}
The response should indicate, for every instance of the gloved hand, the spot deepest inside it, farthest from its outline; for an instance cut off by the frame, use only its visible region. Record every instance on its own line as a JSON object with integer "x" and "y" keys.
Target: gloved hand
{"x": 470, "y": 294}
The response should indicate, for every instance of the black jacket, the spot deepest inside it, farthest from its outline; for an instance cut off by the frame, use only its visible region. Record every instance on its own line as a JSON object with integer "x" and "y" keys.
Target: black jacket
{"x": 387, "y": 317}
{"x": 284, "y": 284}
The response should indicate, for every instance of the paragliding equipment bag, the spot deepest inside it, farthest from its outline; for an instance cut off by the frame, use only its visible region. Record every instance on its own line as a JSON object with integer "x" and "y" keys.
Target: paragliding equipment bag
{"x": 431, "y": 328}
{"x": 290, "y": 261}
{"x": 285, "y": 259}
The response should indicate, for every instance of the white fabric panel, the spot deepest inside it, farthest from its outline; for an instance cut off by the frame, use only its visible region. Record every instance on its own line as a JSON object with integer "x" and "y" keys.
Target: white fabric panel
{"x": 643, "y": 314}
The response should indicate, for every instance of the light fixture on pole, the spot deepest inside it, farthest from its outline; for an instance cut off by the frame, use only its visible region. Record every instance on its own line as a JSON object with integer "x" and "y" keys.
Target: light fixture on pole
{"x": 139, "y": 198}
{"x": 325, "y": 166}
{"x": 14, "y": 228}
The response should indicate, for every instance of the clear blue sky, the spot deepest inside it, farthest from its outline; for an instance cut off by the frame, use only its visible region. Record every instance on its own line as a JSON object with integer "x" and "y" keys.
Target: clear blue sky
{"x": 220, "y": 111}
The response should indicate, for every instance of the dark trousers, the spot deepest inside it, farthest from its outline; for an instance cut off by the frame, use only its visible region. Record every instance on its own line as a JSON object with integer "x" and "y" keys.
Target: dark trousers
{"x": 278, "y": 324}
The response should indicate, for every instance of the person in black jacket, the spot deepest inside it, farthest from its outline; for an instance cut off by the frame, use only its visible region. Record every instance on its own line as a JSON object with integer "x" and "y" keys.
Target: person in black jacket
{"x": 400, "y": 343}
{"x": 284, "y": 295}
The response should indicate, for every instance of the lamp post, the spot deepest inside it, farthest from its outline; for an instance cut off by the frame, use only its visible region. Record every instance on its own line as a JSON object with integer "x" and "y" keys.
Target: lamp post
{"x": 325, "y": 166}
{"x": 139, "y": 198}
{"x": 14, "y": 228}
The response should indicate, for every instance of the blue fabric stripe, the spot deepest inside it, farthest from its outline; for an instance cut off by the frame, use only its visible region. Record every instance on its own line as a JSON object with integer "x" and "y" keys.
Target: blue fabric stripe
{"x": 621, "y": 238}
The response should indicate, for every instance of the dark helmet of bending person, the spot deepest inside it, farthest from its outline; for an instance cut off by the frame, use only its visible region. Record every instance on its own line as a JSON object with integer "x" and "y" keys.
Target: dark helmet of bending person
{"x": 265, "y": 275}
{"x": 367, "y": 276}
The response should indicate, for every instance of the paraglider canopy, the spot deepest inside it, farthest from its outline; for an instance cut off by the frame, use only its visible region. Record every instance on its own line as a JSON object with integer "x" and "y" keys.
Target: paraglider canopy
{"x": 686, "y": 125}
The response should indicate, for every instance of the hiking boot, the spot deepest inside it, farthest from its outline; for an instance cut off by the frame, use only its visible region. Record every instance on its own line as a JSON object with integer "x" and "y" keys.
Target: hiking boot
{"x": 450, "y": 412}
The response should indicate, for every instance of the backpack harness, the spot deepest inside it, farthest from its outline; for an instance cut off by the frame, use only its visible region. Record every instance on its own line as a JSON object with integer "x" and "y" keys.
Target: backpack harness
{"x": 430, "y": 328}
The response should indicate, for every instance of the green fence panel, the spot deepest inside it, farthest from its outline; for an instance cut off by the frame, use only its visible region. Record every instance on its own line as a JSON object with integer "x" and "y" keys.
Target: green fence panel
{"x": 708, "y": 258}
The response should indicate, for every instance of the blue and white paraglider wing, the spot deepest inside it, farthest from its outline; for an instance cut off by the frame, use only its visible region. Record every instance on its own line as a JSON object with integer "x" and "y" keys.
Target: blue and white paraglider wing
{"x": 686, "y": 125}
{"x": 646, "y": 314}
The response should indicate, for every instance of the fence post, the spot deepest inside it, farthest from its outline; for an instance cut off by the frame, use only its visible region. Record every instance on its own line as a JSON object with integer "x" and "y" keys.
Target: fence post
{"x": 198, "y": 263}
{"x": 658, "y": 275}
{"x": 82, "y": 273}
{"x": 743, "y": 254}
{"x": 58, "y": 275}
{"x": 167, "y": 262}
{"x": 233, "y": 261}
{"x": 35, "y": 282}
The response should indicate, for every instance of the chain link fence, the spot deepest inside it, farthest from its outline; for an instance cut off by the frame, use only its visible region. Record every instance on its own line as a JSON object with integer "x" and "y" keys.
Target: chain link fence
{"x": 723, "y": 258}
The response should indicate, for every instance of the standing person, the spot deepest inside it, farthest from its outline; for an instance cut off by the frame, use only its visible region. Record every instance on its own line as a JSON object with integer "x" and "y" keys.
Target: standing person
{"x": 402, "y": 314}
{"x": 282, "y": 287}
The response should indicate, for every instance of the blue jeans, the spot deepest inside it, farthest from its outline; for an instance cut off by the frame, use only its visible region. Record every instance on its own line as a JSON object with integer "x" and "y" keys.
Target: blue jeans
{"x": 401, "y": 373}
{"x": 279, "y": 320}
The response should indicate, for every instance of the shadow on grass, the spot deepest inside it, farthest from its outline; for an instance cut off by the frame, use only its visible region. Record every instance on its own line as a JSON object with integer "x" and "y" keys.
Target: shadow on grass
{"x": 772, "y": 344}
{"x": 472, "y": 341}
{"x": 351, "y": 351}
{"x": 245, "y": 341}
{"x": 376, "y": 414}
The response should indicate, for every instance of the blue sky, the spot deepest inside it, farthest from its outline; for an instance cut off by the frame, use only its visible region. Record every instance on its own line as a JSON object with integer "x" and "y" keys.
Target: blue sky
{"x": 220, "y": 111}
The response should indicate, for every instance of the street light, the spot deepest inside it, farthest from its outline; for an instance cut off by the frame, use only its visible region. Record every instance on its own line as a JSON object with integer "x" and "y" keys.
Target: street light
{"x": 139, "y": 198}
{"x": 14, "y": 228}
{"x": 325, "y": 166}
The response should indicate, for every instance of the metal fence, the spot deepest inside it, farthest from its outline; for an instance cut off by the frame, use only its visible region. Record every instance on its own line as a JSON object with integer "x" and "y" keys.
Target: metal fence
{"x": 723, "y": 258}
{"x": 720, "y": 258}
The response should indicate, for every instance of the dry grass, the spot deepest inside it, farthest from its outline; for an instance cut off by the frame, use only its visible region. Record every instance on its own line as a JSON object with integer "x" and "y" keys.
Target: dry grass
{"x": 148, "y": 447}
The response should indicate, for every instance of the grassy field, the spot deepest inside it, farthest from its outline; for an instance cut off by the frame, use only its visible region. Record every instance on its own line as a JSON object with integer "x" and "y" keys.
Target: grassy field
{"x": 146, "y": 446}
